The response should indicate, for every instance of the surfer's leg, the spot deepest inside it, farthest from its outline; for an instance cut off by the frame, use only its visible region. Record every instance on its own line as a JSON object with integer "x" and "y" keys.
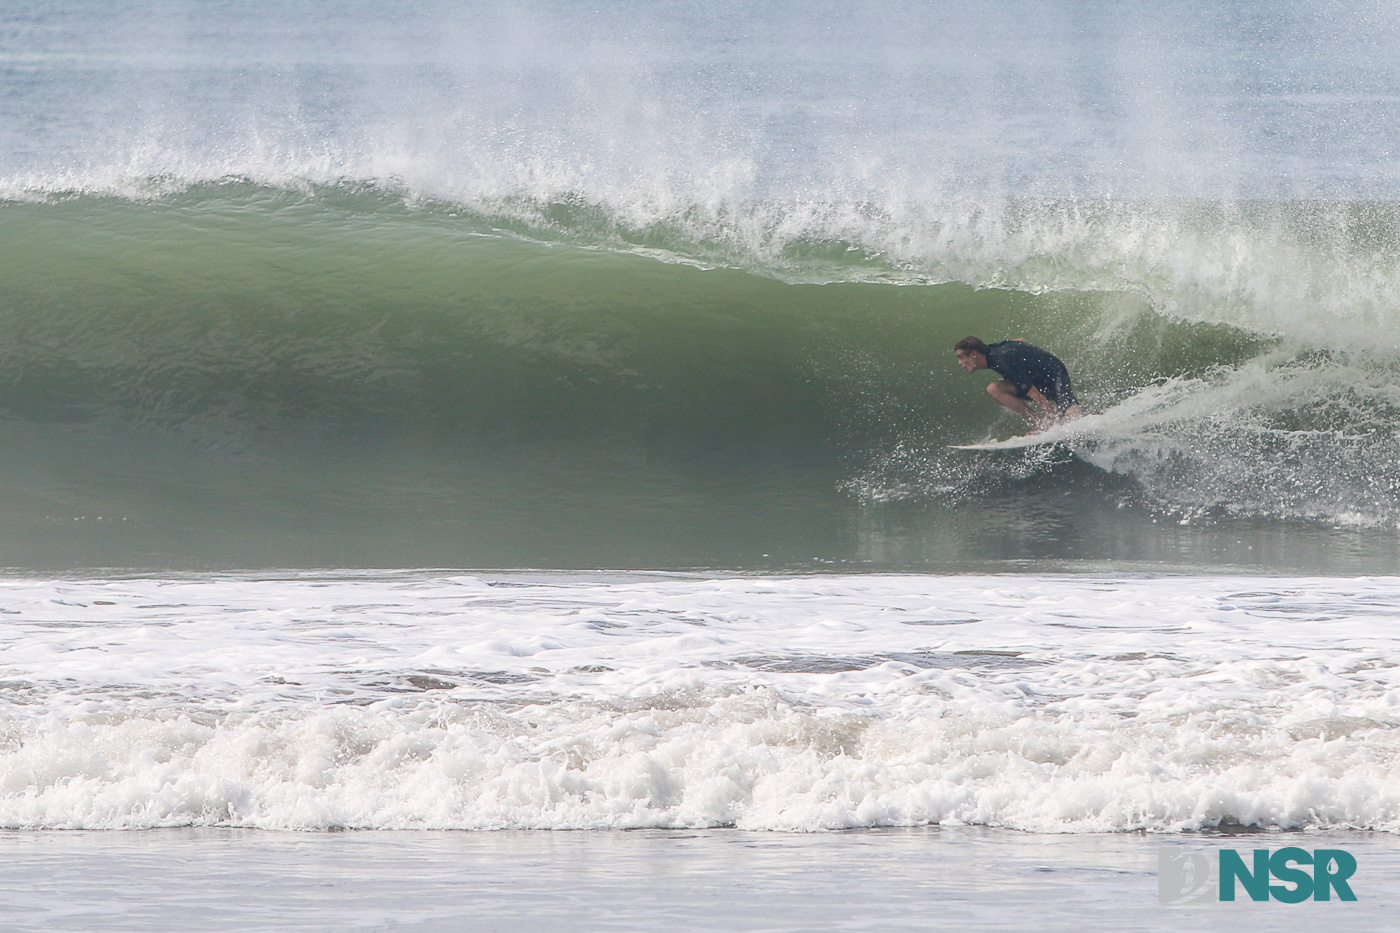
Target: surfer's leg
{"x": 1061, "y": 392}
{"x": 1057, "y": 398}
{"x": 1005, "y": 394}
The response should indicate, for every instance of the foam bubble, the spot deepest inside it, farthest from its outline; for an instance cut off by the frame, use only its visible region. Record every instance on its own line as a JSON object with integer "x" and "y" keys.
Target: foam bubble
{"x": 1040, "y": 703}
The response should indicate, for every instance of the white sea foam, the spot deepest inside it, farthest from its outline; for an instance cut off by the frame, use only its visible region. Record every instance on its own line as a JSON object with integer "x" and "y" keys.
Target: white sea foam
{"x": 804, "y": 703}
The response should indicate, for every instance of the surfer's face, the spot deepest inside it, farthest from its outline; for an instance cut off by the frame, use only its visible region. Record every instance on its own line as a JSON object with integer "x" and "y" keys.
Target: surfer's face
{"x": 971, "y": 360}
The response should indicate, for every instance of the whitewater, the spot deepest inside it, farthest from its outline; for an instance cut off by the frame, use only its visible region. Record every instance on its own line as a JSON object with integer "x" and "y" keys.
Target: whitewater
{"x": 1046, "y": 704}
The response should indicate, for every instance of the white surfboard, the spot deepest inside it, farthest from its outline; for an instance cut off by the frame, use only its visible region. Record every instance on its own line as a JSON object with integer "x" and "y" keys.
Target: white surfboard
{"x": 1055, "y": 434}
{"x": 1011, "y": 443}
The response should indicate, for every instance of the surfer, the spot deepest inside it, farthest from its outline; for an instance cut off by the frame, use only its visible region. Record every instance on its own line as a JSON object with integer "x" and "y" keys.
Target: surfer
{"x": 1029, "y": 374}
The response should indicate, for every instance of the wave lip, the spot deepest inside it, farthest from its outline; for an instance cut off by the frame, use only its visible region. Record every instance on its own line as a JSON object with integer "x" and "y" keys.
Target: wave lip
{"x": 1314, "y": 271}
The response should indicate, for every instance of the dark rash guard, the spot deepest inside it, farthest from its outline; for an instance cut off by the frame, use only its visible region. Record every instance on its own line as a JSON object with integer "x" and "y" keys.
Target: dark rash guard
{"x": 1026, "y": 366}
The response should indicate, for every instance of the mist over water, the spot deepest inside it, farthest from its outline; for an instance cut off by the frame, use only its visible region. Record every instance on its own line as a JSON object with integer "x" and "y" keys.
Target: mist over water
{"x": 702, "y": 102}
{"x": 673, "y": 285}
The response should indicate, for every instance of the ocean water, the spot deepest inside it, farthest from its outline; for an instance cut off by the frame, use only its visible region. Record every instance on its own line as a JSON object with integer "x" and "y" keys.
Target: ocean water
{"x": 513, "y": 418}
{"x": 915, "y": 879}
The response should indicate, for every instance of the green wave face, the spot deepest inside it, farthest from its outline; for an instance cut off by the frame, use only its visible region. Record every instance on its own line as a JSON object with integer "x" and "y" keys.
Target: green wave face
{"x": 242, "y": 376}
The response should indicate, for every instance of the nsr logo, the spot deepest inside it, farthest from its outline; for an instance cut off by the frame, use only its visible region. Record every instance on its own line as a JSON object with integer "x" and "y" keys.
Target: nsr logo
{"x": 1186, "y": 877}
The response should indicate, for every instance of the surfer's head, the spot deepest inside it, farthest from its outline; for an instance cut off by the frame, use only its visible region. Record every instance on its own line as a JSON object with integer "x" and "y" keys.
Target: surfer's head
{"x": 972, "y": 354}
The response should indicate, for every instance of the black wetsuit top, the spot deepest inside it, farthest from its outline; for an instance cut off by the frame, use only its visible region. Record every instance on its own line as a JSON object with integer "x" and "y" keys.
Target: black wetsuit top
{"x": 1026, "y": 366}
